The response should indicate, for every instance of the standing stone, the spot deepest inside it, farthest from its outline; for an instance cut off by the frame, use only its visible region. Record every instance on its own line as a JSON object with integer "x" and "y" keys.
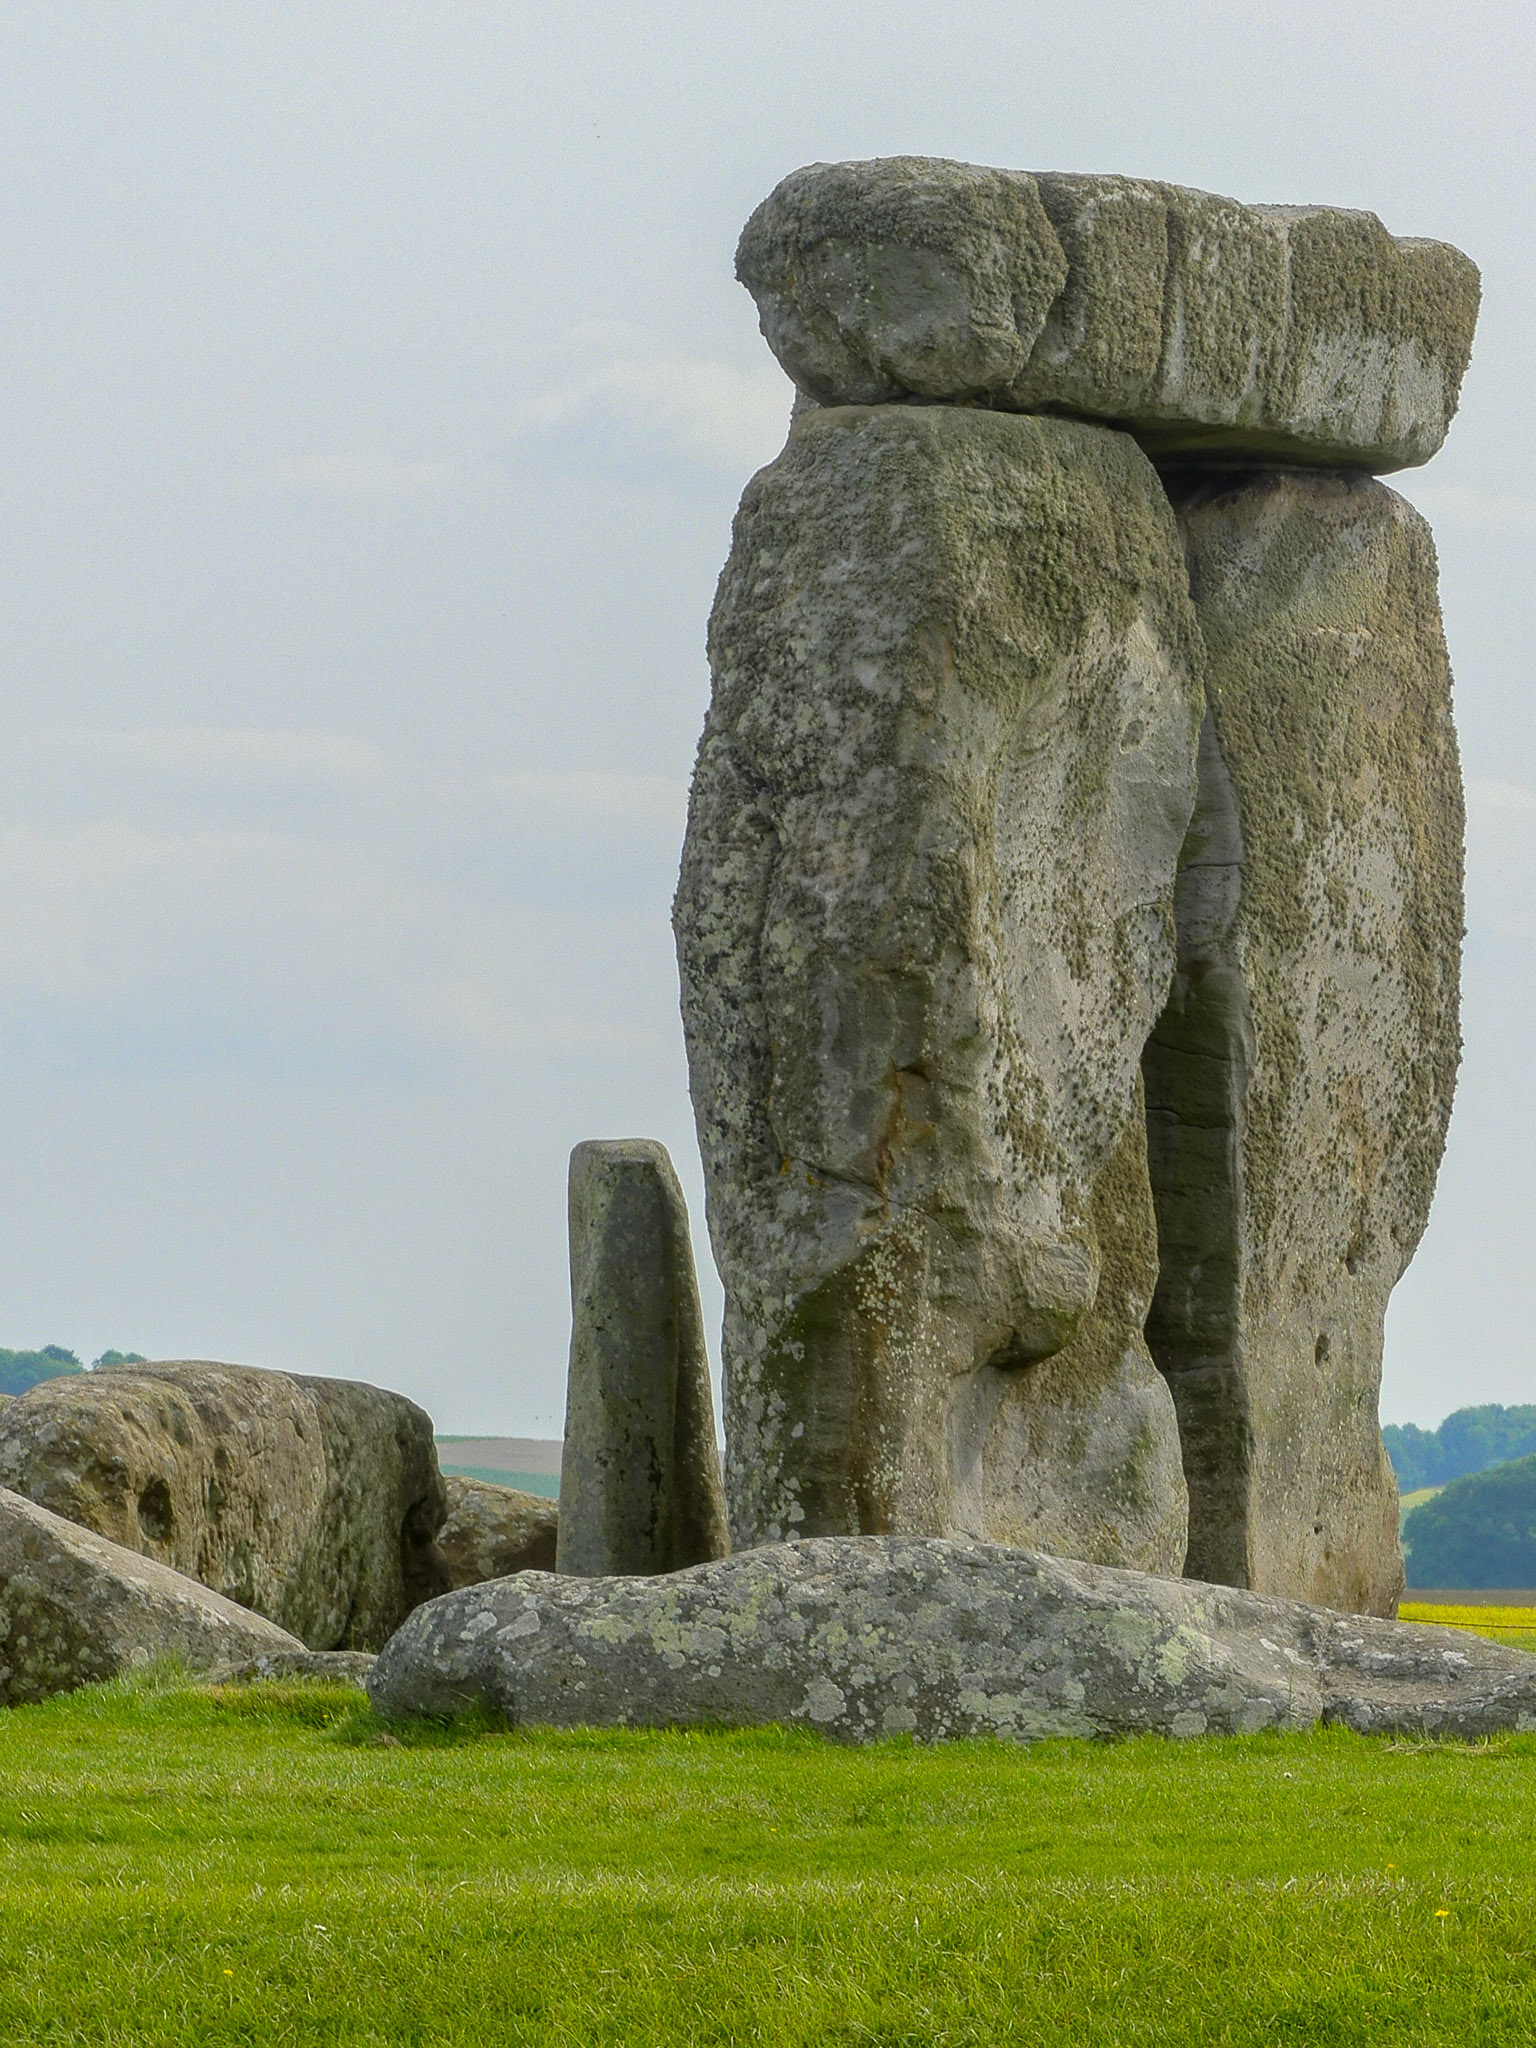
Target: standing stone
{"x": 1302, "y": 334}
{"x": 924, "y": 927}
{"x": 1300, "y": 1080}
{"x": 315, "y": 1502}
{"x": 640, "y": 1483}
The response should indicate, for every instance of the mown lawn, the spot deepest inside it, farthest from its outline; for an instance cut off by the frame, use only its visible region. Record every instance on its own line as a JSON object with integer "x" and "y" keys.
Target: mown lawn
{"x": 255, "y": 1865}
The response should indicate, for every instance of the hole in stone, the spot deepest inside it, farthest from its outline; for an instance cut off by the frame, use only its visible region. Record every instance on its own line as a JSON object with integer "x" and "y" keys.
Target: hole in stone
{"x": 155, "y": 1518}
{"x": 1317, "y": 1528}
{"x": 1321, "y": 1350}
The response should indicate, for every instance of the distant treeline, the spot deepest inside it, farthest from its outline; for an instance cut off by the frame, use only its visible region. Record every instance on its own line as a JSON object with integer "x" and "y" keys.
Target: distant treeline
{"x": 22, "y": 1369}
{"x": 1481, "y": 1531}
{"x": 1469, "y": 1441}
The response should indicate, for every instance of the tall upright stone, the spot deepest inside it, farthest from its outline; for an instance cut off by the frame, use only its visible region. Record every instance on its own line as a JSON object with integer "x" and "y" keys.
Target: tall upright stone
{"x": 640, "y": 1487}
{"x": 924, "y": 926}
{"x": 1300, "y": 1080}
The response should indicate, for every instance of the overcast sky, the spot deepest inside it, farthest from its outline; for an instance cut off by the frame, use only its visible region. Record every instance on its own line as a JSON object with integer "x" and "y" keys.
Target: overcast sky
{"x": 374, "y": 398}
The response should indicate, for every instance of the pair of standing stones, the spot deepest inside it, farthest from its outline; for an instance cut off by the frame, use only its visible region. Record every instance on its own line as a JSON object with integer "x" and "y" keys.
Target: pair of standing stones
{"x": 1070, "y": 909}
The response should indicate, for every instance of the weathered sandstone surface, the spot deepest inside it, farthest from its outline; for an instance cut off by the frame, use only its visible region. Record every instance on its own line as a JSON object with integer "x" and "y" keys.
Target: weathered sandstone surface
{"x": 924, "y": 927}
{"x": 1082, "y": 1456}
{"x": 866, "y": 1637}
{"x": 640, "y": 1487}
{"x": 492, "y": 1531}
{"x": 1300, "y": 1081}
{"x": 75, "y": 1608}
{"x": 314, "y": 1502}
{"x": 1295, "y": 334}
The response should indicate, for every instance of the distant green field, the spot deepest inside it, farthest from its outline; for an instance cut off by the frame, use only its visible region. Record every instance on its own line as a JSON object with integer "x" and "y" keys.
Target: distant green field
{"x": 259, "y": 1867}
{"x": 546, "y": 1483}
{"x": 1407, "y": 1502}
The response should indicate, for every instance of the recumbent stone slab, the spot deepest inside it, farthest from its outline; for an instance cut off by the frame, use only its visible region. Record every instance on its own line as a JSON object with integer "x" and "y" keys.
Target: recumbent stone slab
{"x": 75, "y": 1608}
{"x": 315, "y": 1502}
{"x": 864, "y": 1637}
{"x": 1296, "y": 334}
{"x": 640, "y": 1487}
{"x": 492, "y": 1530}
{"x": 924, "y": 926}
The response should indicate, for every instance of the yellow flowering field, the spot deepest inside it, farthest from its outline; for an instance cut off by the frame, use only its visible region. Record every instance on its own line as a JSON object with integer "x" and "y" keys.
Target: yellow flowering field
{"x": 1513, "y": 1625}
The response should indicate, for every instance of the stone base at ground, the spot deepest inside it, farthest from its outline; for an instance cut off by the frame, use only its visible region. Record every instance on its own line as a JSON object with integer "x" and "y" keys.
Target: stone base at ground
{"x": 493, "y": 1531}
{"x": 870, "y": 1636}
{"x": 331, "y": 1667}
{"x": 75, "y": 1608}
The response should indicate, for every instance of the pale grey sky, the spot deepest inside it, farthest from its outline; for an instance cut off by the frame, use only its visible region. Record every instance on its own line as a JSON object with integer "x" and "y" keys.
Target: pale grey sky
{"x": 374, "y": 398}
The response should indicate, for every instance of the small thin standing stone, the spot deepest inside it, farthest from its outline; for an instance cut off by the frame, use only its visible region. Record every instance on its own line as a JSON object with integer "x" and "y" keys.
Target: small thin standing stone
{"x": 640, "y": 1487}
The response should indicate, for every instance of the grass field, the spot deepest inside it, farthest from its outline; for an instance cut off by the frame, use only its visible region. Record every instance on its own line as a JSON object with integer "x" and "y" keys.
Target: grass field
{"x": 256, "y": 1865}
{"x": 1409, "y": 1501}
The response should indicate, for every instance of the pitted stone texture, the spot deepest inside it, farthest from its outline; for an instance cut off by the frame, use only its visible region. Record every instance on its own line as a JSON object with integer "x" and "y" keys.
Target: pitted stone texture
{"x": 640, "y": 1487}
{"x": 863, "y": 1637}
{"x": 1265, "y": 333}
{"x": 375, "y": 1552}
{"x": 1300, "y": 1081}
{"x": 906, "y": 275}
{"x": 75, "y": 1608}
{"x": 492, "y": 1531}
{"x": 315, "y": 1502}
{"x": 924, "y": 926}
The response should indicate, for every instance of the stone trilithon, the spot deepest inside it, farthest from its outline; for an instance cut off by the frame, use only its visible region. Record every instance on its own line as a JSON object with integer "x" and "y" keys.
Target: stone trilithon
{"x": 1069, "y": 913}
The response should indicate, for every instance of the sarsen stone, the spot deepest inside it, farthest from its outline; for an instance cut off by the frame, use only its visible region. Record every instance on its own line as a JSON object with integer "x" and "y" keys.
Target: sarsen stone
{"x": 75, "y": 1608}
{"x": 871, "y": 1636}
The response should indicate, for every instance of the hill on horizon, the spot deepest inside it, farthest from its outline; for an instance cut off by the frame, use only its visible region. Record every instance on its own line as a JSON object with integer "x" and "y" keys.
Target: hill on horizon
{"x": 1470, "y": 1440}
{"x": 1478, "y": 1531}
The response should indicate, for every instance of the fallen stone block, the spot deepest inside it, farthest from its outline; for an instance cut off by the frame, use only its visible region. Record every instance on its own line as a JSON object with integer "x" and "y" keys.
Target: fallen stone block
{"x": 864, "y": 1637}
{"x": 1299, "y": 1082}
{"x": 1281, "y": 334}
{"x": 493, "y": 1531}
{"x": 328, "y": 1667}
{"x": 315, "y": 1502}
{"x": 640, "y": 1487}
{"x": 924, "y": 926}
{"x": 75, "y": 1609}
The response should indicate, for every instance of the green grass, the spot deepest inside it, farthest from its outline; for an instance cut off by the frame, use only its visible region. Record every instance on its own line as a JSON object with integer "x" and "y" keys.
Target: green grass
{"x": 256, "y": 1866}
